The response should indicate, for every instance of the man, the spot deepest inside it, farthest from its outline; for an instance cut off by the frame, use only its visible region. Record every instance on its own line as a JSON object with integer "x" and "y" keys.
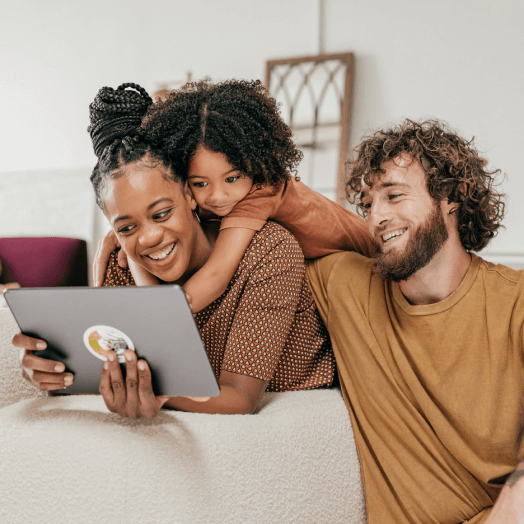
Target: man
{"x": 428, "y": 337}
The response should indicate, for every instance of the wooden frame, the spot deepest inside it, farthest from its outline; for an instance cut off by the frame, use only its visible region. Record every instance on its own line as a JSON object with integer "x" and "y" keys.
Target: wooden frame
{"x": 345, "y": 59}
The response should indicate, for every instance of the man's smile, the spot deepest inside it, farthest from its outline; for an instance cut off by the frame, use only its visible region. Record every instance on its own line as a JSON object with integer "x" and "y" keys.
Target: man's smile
{"x": 390, "y": 236}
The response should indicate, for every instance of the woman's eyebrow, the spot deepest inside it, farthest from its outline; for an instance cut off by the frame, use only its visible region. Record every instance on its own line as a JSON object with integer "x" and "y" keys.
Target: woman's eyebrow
{"x": 164, "y": 199}
{"x": 118, "y": 219}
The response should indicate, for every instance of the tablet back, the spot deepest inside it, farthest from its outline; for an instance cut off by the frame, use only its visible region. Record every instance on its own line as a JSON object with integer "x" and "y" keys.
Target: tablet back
{"x": 80, "y": 324}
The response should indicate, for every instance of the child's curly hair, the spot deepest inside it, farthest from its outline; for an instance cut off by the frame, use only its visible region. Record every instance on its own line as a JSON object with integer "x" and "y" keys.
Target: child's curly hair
{"x": 237, "y": 118}
{"x": 454, "y": 171}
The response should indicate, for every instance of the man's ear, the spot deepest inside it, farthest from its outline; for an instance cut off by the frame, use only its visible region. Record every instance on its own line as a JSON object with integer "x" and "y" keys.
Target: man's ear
{"x": 450, "y": 207}
{"x": 463, "y": 190}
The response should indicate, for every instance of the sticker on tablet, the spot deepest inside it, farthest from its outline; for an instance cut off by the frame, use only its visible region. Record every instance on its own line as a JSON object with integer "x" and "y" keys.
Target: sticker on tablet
{"x": 101, "y": 339}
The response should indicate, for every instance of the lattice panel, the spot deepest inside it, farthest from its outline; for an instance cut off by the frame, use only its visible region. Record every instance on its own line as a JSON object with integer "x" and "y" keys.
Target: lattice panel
{"x": 314, "y": 93}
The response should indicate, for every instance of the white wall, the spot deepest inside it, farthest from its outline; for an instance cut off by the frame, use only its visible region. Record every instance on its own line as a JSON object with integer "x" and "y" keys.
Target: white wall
{"x": 459, "y": 60}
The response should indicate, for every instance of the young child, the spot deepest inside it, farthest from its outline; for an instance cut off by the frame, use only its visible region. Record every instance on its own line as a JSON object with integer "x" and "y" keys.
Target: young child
{"x": 230, "y": 144}
{"x": 320, "y": 225}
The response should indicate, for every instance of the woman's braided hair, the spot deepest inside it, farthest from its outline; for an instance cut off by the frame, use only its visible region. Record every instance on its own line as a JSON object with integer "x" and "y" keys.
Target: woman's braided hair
{"x": 453, "y": 167}
{"x": 118, "y": 140}
{"x": 237, "y": 118}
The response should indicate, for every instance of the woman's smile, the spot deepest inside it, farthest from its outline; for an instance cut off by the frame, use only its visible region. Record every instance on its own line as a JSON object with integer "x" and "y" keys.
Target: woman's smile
{"x": 162, "y": 253}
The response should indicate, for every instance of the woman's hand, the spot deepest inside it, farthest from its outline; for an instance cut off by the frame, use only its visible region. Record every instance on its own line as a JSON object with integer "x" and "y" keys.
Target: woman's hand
{"x": 106, "y": 246}
{"x": 135, "y": 397}
{"x": 46, "y": 375}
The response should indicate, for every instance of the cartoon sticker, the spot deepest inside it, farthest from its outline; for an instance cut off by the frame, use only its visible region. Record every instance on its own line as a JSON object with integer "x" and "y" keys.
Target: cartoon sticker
{"x": 101, "y": 339}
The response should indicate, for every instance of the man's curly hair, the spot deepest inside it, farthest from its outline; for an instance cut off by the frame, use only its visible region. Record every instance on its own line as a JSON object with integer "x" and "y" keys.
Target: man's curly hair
{"x": 237, "y": 118}
{"x": 454, "y": 171}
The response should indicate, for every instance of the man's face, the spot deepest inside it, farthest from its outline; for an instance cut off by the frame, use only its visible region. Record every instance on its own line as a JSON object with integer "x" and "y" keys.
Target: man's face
{"x": 405, "y": 221}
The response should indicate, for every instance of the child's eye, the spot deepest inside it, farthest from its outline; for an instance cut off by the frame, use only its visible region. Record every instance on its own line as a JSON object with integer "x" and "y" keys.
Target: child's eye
{"x": 199, "y": 184}
{"x": 231, "y": 179}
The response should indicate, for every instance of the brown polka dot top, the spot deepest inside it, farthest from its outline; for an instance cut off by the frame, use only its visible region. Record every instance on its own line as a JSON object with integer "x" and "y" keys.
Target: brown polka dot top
{"x": 266, "y": 324}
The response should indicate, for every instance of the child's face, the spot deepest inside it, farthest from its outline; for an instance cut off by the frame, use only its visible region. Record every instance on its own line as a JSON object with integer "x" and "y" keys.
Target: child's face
{"x": 216, "y": 185}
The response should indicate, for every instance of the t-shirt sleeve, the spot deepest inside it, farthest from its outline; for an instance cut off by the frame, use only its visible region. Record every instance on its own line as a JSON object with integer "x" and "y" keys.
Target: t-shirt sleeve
{"x": 346, "y": 272}
{"x": 266, "y": 311}
{"x": 116, "y": 275}
{"x": 318, "y": 272}
{"x": 253, "y": 211}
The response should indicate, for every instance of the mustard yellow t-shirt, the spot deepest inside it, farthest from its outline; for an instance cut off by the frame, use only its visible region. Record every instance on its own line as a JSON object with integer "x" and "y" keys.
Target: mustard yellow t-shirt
{"x": 434, "y": 392}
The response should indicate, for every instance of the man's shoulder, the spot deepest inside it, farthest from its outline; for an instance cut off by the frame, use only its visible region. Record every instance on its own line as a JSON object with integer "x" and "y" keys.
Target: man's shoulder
{"x": 345, "y": 266}
{"x": 502, "y": 286}
{"x": 500, "y": 273}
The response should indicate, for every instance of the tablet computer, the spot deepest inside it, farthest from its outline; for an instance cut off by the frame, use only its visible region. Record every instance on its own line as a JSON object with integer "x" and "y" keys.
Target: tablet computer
{"x": 80, "y": 324}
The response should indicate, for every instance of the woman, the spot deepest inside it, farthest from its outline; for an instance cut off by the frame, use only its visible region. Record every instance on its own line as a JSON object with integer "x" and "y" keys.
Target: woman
{"x": 263, "y": 333}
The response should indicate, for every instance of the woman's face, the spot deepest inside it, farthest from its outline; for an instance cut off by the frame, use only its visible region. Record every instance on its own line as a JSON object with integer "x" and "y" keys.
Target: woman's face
{"x": 154, "y": 222}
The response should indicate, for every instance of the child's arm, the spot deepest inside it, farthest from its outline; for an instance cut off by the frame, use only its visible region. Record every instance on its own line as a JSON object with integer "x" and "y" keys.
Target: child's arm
{"x": 207, "y": 284}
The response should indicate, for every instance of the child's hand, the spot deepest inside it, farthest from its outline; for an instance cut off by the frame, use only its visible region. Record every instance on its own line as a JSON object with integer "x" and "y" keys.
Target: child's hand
{"x": 142, "y": 276}
{"x": 188, "y": 298}
{"x": 189, "y": 301}
{"x": 106, "y": 246}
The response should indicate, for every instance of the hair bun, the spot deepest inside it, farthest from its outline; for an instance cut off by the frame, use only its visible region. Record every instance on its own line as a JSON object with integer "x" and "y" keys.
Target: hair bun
{"x": 117, "y": 114}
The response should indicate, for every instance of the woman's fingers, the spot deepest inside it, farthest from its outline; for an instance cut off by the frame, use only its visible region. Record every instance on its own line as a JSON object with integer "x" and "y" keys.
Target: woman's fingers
{"x": 117, "y": 383}
{"x": 105, "y": 388}
{"x": 29, "y": 343}
{"x": 132, "y": 406}
{"x": 50, "y": 386}
{"x": 60, "y": 380}
{"x": 45, "y": 374}
{"x": 133, "y": 398}
{"x": 34, "y": 363}
{"x": 149, "y": 404}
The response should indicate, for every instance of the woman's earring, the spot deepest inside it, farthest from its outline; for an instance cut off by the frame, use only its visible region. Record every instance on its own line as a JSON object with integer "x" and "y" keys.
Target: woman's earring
{"x": 197, "y": 217}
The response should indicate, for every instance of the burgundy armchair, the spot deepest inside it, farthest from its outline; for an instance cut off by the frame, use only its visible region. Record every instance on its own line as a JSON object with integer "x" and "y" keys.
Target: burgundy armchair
{"x": 44, "y": 261}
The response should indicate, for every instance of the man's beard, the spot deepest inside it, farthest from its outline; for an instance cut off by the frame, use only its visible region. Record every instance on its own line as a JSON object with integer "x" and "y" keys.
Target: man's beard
{"x": 424, "y": 243}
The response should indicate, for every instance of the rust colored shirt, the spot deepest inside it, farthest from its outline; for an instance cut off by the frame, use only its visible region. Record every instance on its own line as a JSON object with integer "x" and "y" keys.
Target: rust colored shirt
{"x": 266, "y": 324}
{"x": 321, "y": 226}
